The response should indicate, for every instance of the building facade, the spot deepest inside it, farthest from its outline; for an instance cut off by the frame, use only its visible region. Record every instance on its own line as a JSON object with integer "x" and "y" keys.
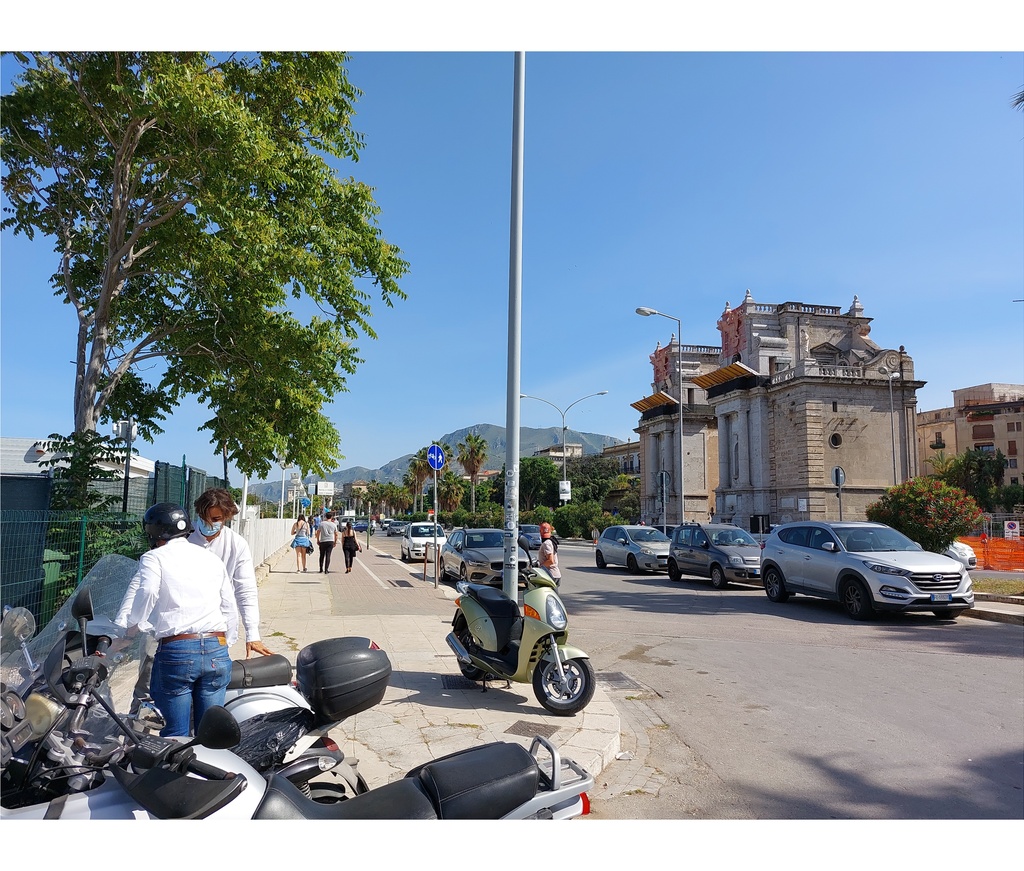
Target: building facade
{"x": 801, "y": 391}
{"x": 987, "y": 417}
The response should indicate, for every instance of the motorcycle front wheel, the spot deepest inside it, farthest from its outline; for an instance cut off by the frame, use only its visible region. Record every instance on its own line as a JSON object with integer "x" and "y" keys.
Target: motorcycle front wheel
{"x": 578, "y": 690}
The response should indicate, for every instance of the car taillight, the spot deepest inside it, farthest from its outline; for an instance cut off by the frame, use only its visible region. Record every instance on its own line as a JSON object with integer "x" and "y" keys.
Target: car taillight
{"x": 586, "y": 803}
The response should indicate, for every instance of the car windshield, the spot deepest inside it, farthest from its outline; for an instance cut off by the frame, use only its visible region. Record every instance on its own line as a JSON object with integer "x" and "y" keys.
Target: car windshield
{"x": 733, "y": 538}
{"x": 876, "y": 538}
{"x": 425, "y": 530}
{"x": 534, "y": 529}
{"x": 484, "y": 539}
{"x": 645, "y": 534}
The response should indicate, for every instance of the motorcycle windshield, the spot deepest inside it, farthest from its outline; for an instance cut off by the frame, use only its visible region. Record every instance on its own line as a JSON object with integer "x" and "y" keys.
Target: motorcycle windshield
{"x": 107, "y": 583}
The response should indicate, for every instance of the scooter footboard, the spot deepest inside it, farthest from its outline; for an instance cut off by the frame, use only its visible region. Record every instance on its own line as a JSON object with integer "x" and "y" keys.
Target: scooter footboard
{"x": 483, "y": 783}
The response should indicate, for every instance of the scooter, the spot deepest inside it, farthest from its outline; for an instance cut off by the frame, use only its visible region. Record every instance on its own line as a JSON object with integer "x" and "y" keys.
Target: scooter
{"x": 69, "y": 755}
{"x": 492, "y": 640}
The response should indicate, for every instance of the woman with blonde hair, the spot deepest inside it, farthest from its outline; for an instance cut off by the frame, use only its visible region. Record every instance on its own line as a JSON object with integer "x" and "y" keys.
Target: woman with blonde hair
{"x": 301, "y": 542}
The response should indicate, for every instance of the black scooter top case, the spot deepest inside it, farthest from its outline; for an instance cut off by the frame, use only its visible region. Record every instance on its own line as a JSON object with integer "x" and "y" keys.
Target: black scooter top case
{"x": 342, "y": 677}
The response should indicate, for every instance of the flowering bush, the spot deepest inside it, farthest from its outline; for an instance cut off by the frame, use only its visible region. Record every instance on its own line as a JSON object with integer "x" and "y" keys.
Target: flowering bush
{"x": 927, "y": 510}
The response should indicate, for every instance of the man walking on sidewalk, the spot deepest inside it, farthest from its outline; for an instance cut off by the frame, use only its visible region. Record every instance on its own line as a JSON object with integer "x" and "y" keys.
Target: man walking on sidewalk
{"x": 327, "y": 537}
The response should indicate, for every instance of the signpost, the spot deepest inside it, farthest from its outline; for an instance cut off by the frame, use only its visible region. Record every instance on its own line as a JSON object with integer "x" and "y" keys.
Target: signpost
{"x": 436, "y": 459}
{"x": 839, "y": 478}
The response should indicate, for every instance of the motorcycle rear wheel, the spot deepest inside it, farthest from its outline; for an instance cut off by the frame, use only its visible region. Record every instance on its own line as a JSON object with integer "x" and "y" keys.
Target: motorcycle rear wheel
{"x": 331, "y": 792}
{"x": 580, "y": 676}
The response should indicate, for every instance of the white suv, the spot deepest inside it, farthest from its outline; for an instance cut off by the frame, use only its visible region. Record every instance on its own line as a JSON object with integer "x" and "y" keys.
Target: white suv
{"x": 865, "y": 566}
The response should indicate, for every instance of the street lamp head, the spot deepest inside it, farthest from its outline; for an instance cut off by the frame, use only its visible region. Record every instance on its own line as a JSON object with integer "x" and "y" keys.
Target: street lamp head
{"x": 891, "y": 375}
{"x": 601, "y": 393}
{"x": 646, "y": 312}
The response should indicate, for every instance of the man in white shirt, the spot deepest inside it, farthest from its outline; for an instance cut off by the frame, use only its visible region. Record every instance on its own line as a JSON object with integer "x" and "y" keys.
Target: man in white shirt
{"x": 214, "y": 508}
{"x": 183, "y": 596}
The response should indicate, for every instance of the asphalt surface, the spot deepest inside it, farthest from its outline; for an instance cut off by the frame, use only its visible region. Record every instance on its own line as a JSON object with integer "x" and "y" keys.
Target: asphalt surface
{"x": 429, "y": 709}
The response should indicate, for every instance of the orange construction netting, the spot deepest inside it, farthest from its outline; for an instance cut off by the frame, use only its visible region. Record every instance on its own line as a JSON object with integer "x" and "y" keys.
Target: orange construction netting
{"x": 997, "y": 554}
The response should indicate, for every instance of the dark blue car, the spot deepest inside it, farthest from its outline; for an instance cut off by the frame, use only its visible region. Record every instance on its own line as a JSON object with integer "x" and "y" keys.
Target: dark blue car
{"x": 360, "y": 526}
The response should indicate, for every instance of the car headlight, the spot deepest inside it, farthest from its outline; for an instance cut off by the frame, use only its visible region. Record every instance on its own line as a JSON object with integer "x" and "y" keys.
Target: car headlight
{"x": 646, "y": 551}
{"x": 555, "y": 613}
{"x": 736, "y": 560}
{"x": 882, "y": 569}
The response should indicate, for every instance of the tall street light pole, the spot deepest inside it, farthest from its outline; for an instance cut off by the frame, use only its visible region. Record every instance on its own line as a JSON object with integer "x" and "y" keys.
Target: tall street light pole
{"x": 646, "y": 312}
{"x": 563, "y": 413}
{"x": 890, "y": 377}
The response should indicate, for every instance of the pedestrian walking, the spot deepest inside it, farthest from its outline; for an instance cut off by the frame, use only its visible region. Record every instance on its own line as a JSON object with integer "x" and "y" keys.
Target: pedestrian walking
{"x": 349, "y": 545}
{"x": 302, "y": 544}
{"x": 327, "y": 537}
{"x": 183, "y": 595}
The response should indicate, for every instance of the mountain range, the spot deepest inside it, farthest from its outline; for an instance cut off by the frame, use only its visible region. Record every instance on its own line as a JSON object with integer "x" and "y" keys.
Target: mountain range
{"x": 530, "y": 441}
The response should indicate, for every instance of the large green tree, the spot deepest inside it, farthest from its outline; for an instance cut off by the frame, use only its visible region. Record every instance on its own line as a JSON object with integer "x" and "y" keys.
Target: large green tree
{"x": 197, "y": 222}
{"x": 978, "y": 473}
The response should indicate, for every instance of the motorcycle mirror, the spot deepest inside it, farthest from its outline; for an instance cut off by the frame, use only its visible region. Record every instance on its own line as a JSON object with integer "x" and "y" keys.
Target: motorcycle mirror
{"x": 218, "y": 729}
{"x": 81, "y": 607}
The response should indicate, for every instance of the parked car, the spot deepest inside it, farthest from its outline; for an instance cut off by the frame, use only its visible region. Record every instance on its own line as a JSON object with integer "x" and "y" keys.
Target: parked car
{"x": 719, "y": 551}
{"x": 635, "y": 547}
{"x": 867, "y": 567}
{"x": 360, "y": 525}
{"x": 963, "y": 554}
{"x": 397, "y": 527}
{"x": 477, "y": 555}
{"x": 531, "y": 532}
{"x": 416, "y": 537}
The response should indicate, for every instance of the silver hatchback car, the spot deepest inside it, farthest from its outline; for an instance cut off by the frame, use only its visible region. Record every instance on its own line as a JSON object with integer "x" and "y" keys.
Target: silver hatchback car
{"x": 719, "y": 551}
{"x": 867, "y": 567}
{"x": 638, "y": 548}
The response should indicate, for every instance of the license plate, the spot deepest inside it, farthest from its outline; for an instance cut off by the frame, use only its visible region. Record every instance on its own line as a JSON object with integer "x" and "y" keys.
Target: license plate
{"x": 942, "y": 597}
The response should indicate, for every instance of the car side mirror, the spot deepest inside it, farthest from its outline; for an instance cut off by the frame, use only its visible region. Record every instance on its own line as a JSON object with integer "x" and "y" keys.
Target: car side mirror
{"x": 830, "y": 546}
{"x": 621, "y": 540}
{"x": 706, "y": 545}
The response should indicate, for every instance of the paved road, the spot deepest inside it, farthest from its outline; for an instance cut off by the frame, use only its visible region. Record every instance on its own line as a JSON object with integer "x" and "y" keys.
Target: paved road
{"x": 735, "y": 707}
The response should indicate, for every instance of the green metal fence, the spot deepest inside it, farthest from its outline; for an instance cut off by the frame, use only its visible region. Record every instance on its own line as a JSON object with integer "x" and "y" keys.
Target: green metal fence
{"x": 45, "y": 554}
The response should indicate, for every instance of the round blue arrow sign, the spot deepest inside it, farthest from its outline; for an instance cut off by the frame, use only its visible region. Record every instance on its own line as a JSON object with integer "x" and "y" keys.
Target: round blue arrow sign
{"x": 435, "y": 456}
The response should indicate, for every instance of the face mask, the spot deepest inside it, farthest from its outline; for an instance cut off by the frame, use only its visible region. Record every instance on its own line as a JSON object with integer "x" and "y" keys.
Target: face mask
{"x": 208, "y": 530}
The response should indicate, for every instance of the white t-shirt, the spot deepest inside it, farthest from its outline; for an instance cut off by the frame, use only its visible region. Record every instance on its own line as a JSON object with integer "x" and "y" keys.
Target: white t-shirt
{"x": 328, "y": 530}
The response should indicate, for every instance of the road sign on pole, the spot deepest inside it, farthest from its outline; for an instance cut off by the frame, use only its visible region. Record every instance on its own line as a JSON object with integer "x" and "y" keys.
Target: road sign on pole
{"x": 435, "y": 457}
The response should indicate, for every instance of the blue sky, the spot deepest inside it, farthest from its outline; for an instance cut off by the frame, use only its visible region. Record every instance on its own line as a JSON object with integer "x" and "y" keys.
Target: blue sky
{"x": 675, "y": 180}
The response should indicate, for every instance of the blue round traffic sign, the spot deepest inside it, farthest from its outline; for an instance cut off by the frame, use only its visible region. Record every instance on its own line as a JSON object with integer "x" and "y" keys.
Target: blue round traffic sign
{"x": 435, "y": 456}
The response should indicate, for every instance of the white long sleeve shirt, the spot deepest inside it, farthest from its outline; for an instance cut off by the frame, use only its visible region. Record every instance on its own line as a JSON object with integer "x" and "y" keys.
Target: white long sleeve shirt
{"x": 180, "y": 589}
{"x": 233, "y": 551}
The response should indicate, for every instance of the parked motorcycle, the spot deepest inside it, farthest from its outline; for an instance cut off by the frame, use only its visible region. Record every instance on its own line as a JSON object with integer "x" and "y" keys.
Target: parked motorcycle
{"x": 68, "y": 755}
{"x": 285, "y": 723}
{"x": 492, "y": 640}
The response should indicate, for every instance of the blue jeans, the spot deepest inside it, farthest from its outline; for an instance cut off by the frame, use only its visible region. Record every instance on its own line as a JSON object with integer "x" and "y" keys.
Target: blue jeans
{"x": 189, "y": 677}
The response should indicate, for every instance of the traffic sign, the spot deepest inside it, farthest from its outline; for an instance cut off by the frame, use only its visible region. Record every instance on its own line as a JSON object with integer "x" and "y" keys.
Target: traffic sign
{"x": 305, "y": 503}
{"x": 838, "y": 476}
{"x": 435, "y": 456}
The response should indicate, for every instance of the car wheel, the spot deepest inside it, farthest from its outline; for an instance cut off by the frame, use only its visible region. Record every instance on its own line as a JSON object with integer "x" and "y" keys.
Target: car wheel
{"x": 673, "y": 571}
{"x": 463, "y": 575}
{"x": 775, "y": 585}
{"x": 856, "y": 600}
{"x": 718, "y": 580}
{"x": 405, "y": 556}
{"x": 601, "y": 564}
{"x": 632, "y": 565}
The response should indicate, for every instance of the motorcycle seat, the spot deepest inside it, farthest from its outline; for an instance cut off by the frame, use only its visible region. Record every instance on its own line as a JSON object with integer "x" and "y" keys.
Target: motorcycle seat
{"x": 494, "y": 601}
{"x": 401, "y": 800}
{"x": 263, "y": 671}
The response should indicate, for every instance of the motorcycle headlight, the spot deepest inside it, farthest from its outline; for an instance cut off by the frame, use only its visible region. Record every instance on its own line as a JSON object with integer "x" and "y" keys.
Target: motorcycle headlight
{"x": 41, "y": 713}
{"x": 555, "y": 613}
{"x": 882, "y": 569}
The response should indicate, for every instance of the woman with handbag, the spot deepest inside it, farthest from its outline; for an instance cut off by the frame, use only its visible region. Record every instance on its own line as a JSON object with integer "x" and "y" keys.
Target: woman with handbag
{"x": 301, "y": 543}
{"x": 349, "y": 545}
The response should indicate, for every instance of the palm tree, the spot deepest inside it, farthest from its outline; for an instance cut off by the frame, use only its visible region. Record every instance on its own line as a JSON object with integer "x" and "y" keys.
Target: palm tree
{"x": 450, "y": 489}
{"x": 472, "y": 456}
{"x": 374, "y": 495}
{"x": 419, "y": 468}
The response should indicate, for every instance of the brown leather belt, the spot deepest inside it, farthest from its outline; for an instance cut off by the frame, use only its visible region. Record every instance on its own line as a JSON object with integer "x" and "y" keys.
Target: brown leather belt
{"x": 189, "y": 636}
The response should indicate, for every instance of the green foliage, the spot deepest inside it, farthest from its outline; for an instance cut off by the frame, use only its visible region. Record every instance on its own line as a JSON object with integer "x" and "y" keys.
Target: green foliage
{"x": 538, "y": 482}
{"x": 1007, "y": 498}
{"x": 977, "y": 473}
{"x": 75, "y": 463}
{"x": 192, "y": 210}
{"x": 927, "y": 510}
{"x": 592, "y": 477}
{"x": 576, "y": 519}
{"x": 472, "y": 454}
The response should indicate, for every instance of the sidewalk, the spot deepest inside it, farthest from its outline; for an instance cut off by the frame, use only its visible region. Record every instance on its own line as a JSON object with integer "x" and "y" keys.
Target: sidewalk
{"x": 429, "y": 709}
